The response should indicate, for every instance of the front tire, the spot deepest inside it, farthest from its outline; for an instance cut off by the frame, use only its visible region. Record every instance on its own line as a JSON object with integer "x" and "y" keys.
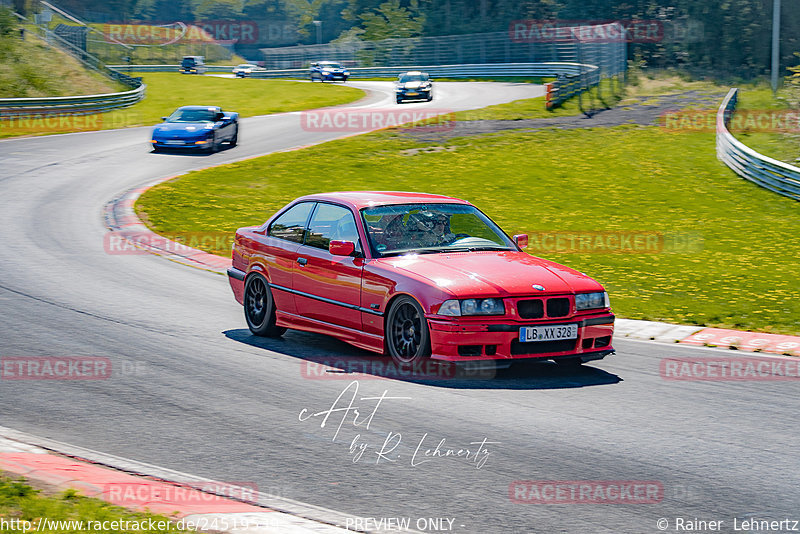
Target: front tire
{"x": 235, "y": 139}
{"x": 259, "y": 307}
{"x": 407, "y": 336}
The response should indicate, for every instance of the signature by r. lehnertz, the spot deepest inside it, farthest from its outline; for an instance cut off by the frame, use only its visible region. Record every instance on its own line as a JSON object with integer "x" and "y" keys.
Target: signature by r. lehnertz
{"x": 347, "y": 409}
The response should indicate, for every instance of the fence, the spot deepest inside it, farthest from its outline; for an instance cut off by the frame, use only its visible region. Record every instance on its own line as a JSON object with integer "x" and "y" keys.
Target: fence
{"x": 769, "y": 173}
{"x": 482, "y": 52}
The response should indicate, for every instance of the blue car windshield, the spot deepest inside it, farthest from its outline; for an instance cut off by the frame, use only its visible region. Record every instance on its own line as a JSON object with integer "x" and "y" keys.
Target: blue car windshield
{"x": 330, "y": 66}
{"x": 431, "y": 228}
{"x": 193, "y": 115}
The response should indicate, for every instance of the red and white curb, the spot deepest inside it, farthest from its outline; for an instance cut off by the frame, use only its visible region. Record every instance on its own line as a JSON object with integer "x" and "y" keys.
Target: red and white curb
{"x": 707, "y": 337}
{"x": 194, "y": 503}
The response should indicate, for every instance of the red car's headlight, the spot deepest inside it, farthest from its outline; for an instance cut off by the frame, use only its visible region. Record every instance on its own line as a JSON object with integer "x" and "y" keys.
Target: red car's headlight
{"x": 456, "y": 308}
{"x": 590, "y": 301}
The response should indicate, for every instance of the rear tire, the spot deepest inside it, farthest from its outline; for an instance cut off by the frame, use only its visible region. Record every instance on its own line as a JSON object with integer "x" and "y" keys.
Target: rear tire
{"x": 407, "y": 336}
{"x": 259, "y": 307}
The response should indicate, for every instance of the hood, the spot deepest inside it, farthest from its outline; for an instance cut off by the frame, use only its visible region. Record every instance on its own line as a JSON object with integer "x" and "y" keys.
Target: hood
{"x": 500, "y": 273}
{"x": 412, "y": 85}
{"x": 182, "y": 129}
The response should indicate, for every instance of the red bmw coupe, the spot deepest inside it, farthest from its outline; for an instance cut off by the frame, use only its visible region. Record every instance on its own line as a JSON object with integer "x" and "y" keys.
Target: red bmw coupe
{"x": 414, "y": 276}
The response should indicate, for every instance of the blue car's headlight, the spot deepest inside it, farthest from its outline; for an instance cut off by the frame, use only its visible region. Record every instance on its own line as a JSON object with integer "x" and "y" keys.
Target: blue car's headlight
{"x": 590, "y": 301}
{"x": 457, "y": 308}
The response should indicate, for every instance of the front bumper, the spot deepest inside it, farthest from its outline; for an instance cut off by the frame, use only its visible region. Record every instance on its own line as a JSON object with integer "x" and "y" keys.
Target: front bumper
{"x": 333, "y": 76}
{"x": 498, "y": 339}
{"x": 413, "y": 94}
{"x": 184, "y": 144}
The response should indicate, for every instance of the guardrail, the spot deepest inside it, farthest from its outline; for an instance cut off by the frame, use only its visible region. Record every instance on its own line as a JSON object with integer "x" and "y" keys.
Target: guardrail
{"x": 769, "y": 173}
{"x": 69, "y": 105}
{"x": 482, "y": 70}
{"x": 169, "y": 68}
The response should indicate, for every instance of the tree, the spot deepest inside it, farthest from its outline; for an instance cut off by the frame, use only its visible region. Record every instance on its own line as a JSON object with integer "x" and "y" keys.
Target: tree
{"x": 219, "y": 10}
{"x": 391, "y": 20}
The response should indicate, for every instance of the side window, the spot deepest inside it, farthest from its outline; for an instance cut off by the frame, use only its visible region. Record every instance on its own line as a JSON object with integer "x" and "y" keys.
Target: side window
{"x": 291, "y": 225}
{"x": 329, "y": 223}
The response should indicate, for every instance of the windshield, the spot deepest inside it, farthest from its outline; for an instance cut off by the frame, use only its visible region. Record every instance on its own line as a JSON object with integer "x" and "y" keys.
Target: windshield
{"x": 404, "y": 78}
{"x": 188, "y": 62}
{"x": 245, "y": 66}
{"x": 330, "y": 65}
{"x": 431, "y": 228}
{"x": 193, "y": 115}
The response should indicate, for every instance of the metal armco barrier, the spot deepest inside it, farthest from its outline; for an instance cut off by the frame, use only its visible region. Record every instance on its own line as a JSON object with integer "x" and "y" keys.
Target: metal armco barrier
{"x": 772, "y": 174}
{"x": 71, "y": 105}
{"x": 487, "y": 70}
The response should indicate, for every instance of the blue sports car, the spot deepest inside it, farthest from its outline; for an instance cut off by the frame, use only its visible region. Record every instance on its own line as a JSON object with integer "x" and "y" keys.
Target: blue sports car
{"x": 328, "y": 71}
{"x": 197, "y": 127}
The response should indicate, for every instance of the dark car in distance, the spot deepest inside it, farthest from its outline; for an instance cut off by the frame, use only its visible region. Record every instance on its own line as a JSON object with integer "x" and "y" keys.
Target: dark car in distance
{"x": 413, "y": 85}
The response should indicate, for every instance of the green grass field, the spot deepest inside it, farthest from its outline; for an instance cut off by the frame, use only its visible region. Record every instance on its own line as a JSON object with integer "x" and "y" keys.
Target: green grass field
{"x": 21, "y": 502}
{"x": 167, "y": 91}
{"x": 740, "y": 270}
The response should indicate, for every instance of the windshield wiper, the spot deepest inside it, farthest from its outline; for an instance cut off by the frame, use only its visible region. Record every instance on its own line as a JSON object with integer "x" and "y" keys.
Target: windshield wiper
{"x": 489, "y": 247}
{"x": 436, "y": 250}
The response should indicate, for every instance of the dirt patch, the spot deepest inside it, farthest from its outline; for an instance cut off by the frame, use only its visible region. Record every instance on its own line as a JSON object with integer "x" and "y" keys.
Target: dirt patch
{"x": 644, "y": 111}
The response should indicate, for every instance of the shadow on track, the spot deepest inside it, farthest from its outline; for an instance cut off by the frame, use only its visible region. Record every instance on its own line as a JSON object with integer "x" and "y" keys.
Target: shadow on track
{"x": 326, "y": 358}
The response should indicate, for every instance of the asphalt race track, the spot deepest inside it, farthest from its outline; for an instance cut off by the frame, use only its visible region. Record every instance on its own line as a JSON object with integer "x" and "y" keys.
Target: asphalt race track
{"x": 193, "y": 391}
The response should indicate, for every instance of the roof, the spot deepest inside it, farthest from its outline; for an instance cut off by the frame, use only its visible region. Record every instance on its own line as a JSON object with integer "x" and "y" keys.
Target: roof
{"x": 201, "y": 107}
{"x": 365, "y": 199}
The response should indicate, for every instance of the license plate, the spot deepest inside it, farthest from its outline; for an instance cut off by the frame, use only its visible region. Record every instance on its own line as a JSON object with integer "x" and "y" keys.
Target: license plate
{"x": 553, "y": 332}
{"x": 412, "y": 94}
{"x": 173, "y": 142}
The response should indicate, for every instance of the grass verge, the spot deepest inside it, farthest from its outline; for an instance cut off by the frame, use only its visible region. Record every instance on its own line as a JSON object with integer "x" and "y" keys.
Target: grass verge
{"x": 167, "y": 91}
{"x": 738, "y": 269}
{"x": 30, "y": 68}
{"x": 19, "y": 502}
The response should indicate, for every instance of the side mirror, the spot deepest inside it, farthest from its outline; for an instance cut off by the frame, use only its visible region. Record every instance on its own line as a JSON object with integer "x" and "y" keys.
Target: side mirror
{"x": 521, "y": 240}
{"x": 219, "y": 117}
{"x": 341, "y": 248}
{"x": 163, "y": 118}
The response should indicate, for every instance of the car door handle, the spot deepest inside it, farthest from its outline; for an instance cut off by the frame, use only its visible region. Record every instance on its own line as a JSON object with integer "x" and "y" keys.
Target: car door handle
{"x": 302, "y": 261}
